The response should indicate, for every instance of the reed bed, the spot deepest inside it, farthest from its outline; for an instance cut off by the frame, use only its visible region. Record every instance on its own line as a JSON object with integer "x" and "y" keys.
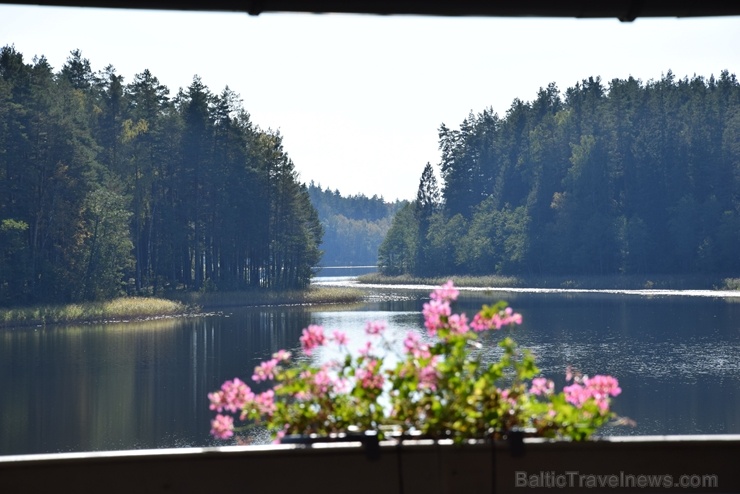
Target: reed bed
{"x": 493, "y": 281}
{"x": 253, "y": 298}
{"x": 607, "y": 282}
{"x": 730, "y": 284}
{"x": 113, "y": 310}
{"x": 137, "y": 308}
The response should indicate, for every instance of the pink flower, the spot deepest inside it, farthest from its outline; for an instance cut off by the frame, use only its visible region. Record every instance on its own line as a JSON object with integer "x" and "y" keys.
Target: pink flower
{"x": 480, "y": 323}
{"x": 458, "y": 323}
{"x": 222, "y": 427}
{"x": 265, "y": 371}
{"x": 369, "y": 376}
{"x": 542, "y": 386}
{"x": 279, "y": 436}
{"x": 504, "y": 318}
{"x": 341, "y": 385}
{"x": 435, "y": 311}
{"x": 312, "y": 337}
{"x": 576, "y": 394}
{"x": 265, "y": 402}
{"x": 339, "y": 337}
{"x": 506, "y": 396}
{"x": 428, "y": 375}
{"x": 375, "y": 327}
{"x": 322, "y": 381}
{"x": 366, "y": 349}
{"x": 603, "y": 385}
{"x": 413, "y": 345}
{"x": 601, "y": 388}
{"x": 281, "y": 355}
{"x": 513, "y": 319}
{"x": 445, "y": 293}
{"x": 232, "y": 396}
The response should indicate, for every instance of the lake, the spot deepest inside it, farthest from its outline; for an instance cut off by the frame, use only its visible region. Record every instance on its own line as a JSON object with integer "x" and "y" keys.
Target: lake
{"x": 144, "y": 384}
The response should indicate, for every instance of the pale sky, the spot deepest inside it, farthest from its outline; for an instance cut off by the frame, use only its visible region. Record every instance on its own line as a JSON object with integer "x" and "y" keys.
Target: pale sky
{"x": 359, "y": 98}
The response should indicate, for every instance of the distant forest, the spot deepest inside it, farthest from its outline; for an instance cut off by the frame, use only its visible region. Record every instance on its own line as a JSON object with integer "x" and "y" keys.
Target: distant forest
{"x": 109, "y": 188}
{"x": 607, "y": 178}
{"x": 354, "y": 226}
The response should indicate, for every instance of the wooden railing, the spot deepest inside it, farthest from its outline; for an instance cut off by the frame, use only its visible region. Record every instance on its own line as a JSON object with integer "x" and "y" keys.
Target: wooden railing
{"x": 707, "y": 464}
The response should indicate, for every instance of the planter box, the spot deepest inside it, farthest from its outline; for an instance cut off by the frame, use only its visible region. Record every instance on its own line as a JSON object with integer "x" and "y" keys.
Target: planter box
{"x": 617, "y": 464}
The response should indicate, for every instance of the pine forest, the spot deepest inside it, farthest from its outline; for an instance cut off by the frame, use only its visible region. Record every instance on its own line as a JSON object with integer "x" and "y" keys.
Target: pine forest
{"x": 109, "y": 188}
{"x": 623, "y": 177}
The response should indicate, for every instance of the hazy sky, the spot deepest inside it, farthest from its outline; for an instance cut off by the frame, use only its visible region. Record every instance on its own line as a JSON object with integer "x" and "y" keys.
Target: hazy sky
{"x": 359, "y": 98}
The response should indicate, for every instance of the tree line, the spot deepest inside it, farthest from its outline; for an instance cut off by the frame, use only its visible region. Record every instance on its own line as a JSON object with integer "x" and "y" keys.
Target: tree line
{"x": 354, "y": 226}
{"x": 108, "y": 187}
{"x": 623, "y": 177}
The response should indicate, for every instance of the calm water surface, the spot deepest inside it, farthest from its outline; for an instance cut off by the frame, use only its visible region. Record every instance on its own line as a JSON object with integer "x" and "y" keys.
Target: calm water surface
{"x": 144, "y": 385}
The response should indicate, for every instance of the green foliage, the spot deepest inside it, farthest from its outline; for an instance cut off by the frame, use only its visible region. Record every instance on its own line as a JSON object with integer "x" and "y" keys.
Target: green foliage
{"x": 439, "y": 387}
{"x": 396, "y": 254}
{"x": 620, "y": 178}
{"x": 125, "y": 308}
{"x": 120, "y": 182}
{"x": 13, "y": 257}
{"x": 107, "y": 248}
{"x": 354, "y": 226}
{"x": 426, "y": 204}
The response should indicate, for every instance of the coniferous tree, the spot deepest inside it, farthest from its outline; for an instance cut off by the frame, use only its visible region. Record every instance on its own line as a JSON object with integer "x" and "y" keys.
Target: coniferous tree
{"x": 628, "y": 177}
{"x": 105, "y": 183}
{"x": 427, "y": 202}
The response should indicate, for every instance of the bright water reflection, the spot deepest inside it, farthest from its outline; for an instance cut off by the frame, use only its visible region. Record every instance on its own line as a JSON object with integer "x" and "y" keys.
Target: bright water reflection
{"x": 144, "y": 385}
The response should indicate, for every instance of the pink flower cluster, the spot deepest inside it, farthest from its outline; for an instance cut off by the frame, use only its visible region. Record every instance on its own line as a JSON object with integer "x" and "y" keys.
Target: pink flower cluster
{"x": 232, "y": 396}
{"x": 312, "y": 337}
{"x": 369, "y": 376}
{"x": 497, "y": 321}
{"x": 339, "y": 338}
{"x": 320, "y": 382}
{"x": 222, "y": 427}
{"x": 414, "y": 346}
{"x": 445, "y": 293}
{"x": 599, "y": 387}
{"x": 375, "y": 327}
{"x": 313, "y": 388}
{"x": 265, "y": 371}
{"x": 264, "y": 403}
{"x": 438, "y": 314}
{"x": 235, "y": 396}
{"x": 437, "y": 311}
{"x": 428, "y": 375}
{"x": 542, "y": 387}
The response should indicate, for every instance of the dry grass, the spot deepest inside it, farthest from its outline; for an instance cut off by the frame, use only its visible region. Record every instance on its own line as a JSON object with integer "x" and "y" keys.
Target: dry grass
{"x": 113, "y": 310}
{"x": 610, "y": 282}
{"x": 137, "y": 308}
{"x": 253, "y": 298}
{"x": 730, "y": 284}
{"x": 471, "y": 281}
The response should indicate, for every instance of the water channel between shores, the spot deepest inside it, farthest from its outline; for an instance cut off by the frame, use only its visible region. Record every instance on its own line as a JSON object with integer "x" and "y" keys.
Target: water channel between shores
{"x": 144, "y": 384}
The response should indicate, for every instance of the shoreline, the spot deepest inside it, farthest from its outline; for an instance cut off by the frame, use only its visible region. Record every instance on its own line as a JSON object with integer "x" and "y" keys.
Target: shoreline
{"x": 129, "y": 309}
{"x": 612, "y": 282}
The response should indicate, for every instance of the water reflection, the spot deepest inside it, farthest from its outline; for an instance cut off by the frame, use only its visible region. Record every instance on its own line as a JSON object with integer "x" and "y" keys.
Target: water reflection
{"x": 144, "y": 385}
